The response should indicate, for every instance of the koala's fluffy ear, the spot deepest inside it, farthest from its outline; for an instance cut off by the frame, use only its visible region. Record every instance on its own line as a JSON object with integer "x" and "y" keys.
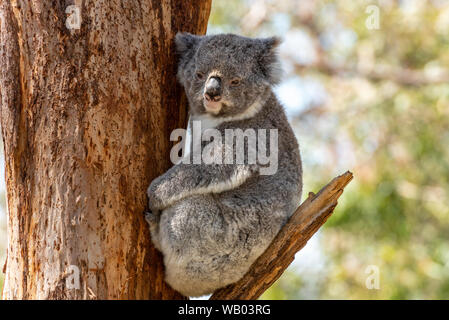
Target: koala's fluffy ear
{"x": 186, "y": 44}
{"x": 269, "y": 59}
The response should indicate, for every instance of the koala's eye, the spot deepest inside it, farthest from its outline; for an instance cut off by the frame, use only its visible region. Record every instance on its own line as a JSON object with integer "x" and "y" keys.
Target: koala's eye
{"x": 235, "y": 82}
{"x": 200, "y": 75}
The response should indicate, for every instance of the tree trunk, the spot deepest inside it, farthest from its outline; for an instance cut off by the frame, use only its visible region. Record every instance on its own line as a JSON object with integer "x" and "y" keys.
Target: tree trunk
{"x": 86, "y": 116}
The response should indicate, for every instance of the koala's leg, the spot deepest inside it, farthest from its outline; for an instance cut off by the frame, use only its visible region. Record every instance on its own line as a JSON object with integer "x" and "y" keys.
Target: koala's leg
{"x": 210, "y": 241}
{"x": 194, "y": 244}
{"x": 153, "y": 222}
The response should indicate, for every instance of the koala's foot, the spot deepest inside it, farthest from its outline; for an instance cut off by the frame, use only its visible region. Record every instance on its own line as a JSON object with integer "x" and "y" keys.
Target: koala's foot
{"x": 153, "y": 221}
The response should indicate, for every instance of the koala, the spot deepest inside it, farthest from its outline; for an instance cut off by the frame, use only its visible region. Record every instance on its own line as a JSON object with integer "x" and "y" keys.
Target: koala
{"x": 212, "y": 221}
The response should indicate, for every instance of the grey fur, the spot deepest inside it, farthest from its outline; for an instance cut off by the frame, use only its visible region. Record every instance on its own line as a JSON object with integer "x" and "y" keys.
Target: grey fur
{"x": 210, "y": 236}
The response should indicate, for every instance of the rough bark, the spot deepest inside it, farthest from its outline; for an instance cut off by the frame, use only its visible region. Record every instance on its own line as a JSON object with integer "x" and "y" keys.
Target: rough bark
{"x": 86, "y": 117}
{"x": 302, "y": 225}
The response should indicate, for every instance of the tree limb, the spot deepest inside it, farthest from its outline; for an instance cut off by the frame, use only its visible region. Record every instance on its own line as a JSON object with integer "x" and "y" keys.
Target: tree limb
{"x": 303, "y": 224}
{"x": 401, "y": 76}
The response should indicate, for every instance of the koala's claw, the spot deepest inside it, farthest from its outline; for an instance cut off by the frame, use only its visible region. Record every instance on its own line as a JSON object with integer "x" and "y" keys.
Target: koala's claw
{"x": 151, "y": 218}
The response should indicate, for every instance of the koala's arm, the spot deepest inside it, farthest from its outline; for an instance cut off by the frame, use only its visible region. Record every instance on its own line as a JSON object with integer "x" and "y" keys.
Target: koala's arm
{"x": 183, "y": 180}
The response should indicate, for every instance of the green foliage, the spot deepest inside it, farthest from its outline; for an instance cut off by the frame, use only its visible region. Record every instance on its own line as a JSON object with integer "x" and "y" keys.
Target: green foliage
{"x": 393, "y": 135}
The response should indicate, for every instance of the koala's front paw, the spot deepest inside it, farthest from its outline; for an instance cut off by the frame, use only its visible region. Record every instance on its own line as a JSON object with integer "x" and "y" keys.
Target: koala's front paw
{"x": 155, "y": 194}
{"x": 152, "y": 218}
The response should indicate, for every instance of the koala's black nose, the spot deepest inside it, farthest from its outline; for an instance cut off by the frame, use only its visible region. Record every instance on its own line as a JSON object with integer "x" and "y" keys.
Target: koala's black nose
{"x": 212, "y": 91}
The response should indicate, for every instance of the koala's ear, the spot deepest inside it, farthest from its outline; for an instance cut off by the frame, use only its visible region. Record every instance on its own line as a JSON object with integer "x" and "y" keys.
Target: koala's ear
{"x": 269, "y": 59}
{"x": 186, "y": 44}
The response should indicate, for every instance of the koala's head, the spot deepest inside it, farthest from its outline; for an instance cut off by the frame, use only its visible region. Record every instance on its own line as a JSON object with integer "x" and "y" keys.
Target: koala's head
{"x": 225, "y": 74}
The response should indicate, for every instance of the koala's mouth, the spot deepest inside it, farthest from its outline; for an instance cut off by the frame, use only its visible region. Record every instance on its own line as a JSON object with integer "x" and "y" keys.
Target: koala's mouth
{"x": 211, "y": 106}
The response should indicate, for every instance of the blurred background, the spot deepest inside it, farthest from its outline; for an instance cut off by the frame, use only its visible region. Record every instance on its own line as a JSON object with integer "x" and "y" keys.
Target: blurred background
{"x": 366, "y": 88}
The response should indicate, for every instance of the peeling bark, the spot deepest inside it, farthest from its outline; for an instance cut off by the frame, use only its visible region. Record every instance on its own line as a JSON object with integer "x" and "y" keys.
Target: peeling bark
{"x": 86, "y": 116}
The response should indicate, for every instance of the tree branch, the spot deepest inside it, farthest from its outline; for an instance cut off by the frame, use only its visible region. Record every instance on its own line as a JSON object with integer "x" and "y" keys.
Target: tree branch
{"x": 303, "y": 224}
{"x": 401, "y": 76}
